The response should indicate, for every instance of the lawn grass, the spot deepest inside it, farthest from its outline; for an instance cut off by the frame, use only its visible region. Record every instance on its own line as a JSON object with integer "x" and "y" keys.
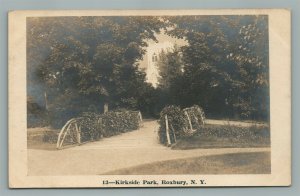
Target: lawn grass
{"x": 42, "y": 138}
{"x": 236, "y": 163}
{"x": 38, "y": 145}
{"x": 225, "y": 136}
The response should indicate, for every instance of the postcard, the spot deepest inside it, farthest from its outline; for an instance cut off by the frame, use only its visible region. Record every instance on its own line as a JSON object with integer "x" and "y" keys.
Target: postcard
{"x": 149, "y": 98}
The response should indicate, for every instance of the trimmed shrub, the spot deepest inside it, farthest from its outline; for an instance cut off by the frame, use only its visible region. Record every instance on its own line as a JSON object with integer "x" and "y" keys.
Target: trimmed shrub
{"x": 90, "y": 125}
{"x": 95, "y": 126}
{"x": 120, "y": 121}
{"x": 178, "y": 122}
{"x": 197, "y": 116}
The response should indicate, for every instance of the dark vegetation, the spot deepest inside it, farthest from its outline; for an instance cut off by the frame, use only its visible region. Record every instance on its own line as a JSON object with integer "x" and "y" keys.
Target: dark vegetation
{"x": 95, "y": 126}
{"x": 206, "y": 135}
{"x": 178, "y": 122}
{"x": 37, "y": 115}
{"x": 81, "y": 64}
{"x": 226, "y": 136}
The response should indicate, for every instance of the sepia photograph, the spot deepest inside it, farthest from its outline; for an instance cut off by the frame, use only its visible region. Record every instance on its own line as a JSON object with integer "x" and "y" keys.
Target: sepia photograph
{"x": 150, "y": 99}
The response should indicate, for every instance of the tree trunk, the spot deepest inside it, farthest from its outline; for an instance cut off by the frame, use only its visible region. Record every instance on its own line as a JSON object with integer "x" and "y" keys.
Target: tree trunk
{"x": 105, "y": 107}
{"x": 46, "y": 100}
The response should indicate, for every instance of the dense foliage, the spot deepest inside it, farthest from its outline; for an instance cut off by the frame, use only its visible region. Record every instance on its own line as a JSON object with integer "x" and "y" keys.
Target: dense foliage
{"x": 170, "y": 66}
{"x": 176, "y": 118}
{"x": 90, "y": 126}
{"x": 225, "y": 65}
{"x": 81, "y": 64}
{"x": 196, "y": 116}
{"x": 95, "y": 126}
{"x": 178, "y": 122}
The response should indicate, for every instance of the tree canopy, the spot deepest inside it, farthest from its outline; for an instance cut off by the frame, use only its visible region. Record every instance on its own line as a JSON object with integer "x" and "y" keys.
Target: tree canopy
{"x": 225, "y": 64}
{"x": 82, "y": 63}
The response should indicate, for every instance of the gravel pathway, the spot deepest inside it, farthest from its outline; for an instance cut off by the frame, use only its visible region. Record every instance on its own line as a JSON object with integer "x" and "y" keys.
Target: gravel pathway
{"x": 117, "y": 152}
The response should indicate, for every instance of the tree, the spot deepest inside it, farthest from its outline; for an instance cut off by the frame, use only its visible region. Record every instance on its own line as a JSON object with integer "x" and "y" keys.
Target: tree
{"x": 170, "y": 66}
{"x": 86, "y": 62}
{"x": 251, "y": 59}
{"x": 225, "y": 64}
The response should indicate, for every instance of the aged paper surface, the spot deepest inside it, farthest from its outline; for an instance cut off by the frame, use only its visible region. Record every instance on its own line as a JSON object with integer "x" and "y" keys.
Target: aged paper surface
{"x": 137, "y": 158}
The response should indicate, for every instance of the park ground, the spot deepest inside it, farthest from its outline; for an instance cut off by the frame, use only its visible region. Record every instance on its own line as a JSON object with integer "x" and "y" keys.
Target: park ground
{"x": 139, "y": 152}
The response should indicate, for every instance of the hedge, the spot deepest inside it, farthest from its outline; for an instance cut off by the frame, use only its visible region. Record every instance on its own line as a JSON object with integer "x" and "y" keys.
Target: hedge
{"x": 197, "y": 116}
{"x": 178, "y": 122}
{"x": 95, "y": 126}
